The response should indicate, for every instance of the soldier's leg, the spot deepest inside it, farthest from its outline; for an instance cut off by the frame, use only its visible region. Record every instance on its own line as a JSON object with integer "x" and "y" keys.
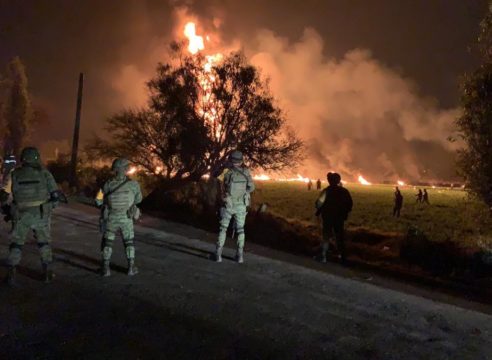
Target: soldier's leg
{"x": 240, "y": 220}
{"x": 19, "y": 233}
{"x": 18, "y": 236}
{"x": 225, "y": 219}
{"x": 42, "y": 234}
{"x": 128, "y": 235}
{"x": 107, "y": 247}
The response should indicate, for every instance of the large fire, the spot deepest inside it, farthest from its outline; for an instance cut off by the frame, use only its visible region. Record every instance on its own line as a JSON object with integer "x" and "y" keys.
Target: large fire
{"x": 363, "y": 181}
{"x": 205, "y": 106}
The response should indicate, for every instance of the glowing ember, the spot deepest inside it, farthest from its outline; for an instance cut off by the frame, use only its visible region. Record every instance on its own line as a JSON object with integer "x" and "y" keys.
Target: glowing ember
{"x": 132, "y": 170}
{"x": 195, "y": 42}
{"x": 401, "y": 183}
{"x": 261, "y": 177}
{"x": 158, "y": 170}
{"x": 363, "y": 181}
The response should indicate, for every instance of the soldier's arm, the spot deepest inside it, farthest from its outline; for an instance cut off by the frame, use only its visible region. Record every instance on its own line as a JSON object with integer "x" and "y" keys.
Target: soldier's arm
{"x": 138, "y": 193}
{"x": 350, "y": 202}
{"x": 52, "y": 185}
{"x": 6, "y": 188}
{"x": 250, "y": 186}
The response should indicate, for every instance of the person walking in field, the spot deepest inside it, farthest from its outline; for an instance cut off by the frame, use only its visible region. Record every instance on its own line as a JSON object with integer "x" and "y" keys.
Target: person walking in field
{"x": 318, "y": 184}
{"x": 309, "y": 185}
{"x": 398, "y": 203}
{"x": 419, "y": 196}
{"x": 425, "y": 197}
{"x": 333, "y": 205}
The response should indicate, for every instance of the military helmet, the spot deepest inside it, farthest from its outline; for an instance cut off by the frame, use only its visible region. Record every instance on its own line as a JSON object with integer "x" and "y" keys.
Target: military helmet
{"x": 30, "y": 155}
{"x": 120, "y": 163}
{"x": 236, "y": 157}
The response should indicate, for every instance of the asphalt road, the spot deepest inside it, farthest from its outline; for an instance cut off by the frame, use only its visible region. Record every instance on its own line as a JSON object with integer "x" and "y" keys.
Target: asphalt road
{"x": 182, "y": 305}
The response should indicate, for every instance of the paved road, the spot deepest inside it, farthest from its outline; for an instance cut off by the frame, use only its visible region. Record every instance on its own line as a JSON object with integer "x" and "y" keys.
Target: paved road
{"x": 182, "y": 305}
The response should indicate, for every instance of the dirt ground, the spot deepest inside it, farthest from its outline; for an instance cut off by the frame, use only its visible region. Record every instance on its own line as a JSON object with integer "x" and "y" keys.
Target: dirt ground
{"x": 182, "y": 305}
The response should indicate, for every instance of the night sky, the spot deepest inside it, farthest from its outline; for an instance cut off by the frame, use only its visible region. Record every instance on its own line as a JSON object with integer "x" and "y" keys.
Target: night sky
{"x": 425, "y": 41}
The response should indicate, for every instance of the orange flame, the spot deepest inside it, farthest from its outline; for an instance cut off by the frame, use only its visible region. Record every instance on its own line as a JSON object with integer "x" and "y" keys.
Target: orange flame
{"x": 363, "y": 181}
{"x": 195, "y": 42}
{"x": 132, "y": 170}
{"x": 401, "y": 183}
{"x": 262, "y": 177}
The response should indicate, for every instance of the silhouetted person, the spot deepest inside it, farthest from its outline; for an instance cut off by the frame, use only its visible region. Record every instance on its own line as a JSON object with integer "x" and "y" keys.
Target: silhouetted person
{"x": 318, "y": 184}
{"x": 398, "y": 202}
{"x": 419, "y": 196}
{"x": 425, "y": 197}
{"x": 334, "y": 204}
{"x": 309, "y": 184}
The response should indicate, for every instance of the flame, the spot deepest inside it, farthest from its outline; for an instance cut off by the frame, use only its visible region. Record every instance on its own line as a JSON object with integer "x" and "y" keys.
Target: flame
{"x": 195, "y": 42}
{"x": 132, "y": 170}
{"x": 205, "y": 106}
{"x": 262, "y": 177}
{"x": 363, "y": 181}
{"x": 158, "y": 170}
{"x": 401, "y": 183}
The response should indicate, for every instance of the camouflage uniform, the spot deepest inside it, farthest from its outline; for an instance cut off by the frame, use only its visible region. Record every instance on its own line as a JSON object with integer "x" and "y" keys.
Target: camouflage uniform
{"x": 237, "y": 187}
{"x": 118, "y": 196}
{"x": 32, "y": 188}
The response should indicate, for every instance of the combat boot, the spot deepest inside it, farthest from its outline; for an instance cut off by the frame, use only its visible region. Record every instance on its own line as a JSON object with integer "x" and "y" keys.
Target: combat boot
{"x": 218, "y": 254}
{"x": 11, "y": 275}
{"x": 48, "y": 273}
{"x": 132, "y": 269}
{"x": 239, "y": 256}
{"x": 105, "y": 271}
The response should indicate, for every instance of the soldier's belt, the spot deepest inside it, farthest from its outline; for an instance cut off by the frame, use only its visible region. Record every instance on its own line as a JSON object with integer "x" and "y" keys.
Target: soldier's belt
{"x": 29, "y": 204}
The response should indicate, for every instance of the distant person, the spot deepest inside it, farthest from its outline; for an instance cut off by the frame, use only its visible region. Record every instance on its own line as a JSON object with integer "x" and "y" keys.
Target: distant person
{"x": 419, "y": 196}
{"x": 318, "y": 184}
{"x": 309, "y": 185}
{"x": 425, "y": 197}
{"x": 334, "y": 204}
{"x": 398, "y": 203}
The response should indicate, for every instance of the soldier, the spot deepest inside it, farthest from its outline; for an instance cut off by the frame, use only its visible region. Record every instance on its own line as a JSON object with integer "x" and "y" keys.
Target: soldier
{"x": 334, "y": 204}
{"x": 119, "y": 198}
{"x": 398, "y": 202}
{"x": 318, "y": 184}
{"x": 34, "y": 196}
{"x": 237, "y": 187}
{"x": 309, "y": 185}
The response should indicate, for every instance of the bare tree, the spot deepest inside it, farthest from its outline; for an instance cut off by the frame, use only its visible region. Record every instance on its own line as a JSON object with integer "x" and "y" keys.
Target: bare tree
{"x": 198, "y": 112}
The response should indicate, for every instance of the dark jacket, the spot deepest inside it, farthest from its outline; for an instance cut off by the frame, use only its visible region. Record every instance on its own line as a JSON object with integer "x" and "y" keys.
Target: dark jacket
{"x": 334, "y": 202}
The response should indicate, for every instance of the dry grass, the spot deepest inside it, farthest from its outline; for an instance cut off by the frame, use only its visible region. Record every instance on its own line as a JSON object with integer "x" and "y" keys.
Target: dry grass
{"x": 452, "y": 215}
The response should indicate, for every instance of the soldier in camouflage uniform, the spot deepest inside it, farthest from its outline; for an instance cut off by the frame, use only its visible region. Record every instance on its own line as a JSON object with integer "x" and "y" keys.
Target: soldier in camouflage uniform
{"x": 34, "y": 195}
{"x": 237, "y": 187}
{"x": 119, "y": 198}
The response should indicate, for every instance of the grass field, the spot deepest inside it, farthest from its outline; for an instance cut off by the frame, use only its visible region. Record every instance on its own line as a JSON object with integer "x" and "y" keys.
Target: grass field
{"x": 451, "y": 215}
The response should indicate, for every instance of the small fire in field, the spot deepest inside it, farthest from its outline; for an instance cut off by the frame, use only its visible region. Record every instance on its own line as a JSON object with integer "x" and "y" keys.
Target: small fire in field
{"x": 401, "y": 183}
{"x": 363, "y": 181}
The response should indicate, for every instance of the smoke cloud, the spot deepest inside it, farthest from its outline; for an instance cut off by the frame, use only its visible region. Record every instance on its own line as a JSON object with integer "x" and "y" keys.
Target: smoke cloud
{"x": 356, "y": 115}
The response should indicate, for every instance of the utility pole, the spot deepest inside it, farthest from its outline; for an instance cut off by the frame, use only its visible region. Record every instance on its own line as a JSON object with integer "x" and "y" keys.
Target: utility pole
{"x": 76, "y": 130}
